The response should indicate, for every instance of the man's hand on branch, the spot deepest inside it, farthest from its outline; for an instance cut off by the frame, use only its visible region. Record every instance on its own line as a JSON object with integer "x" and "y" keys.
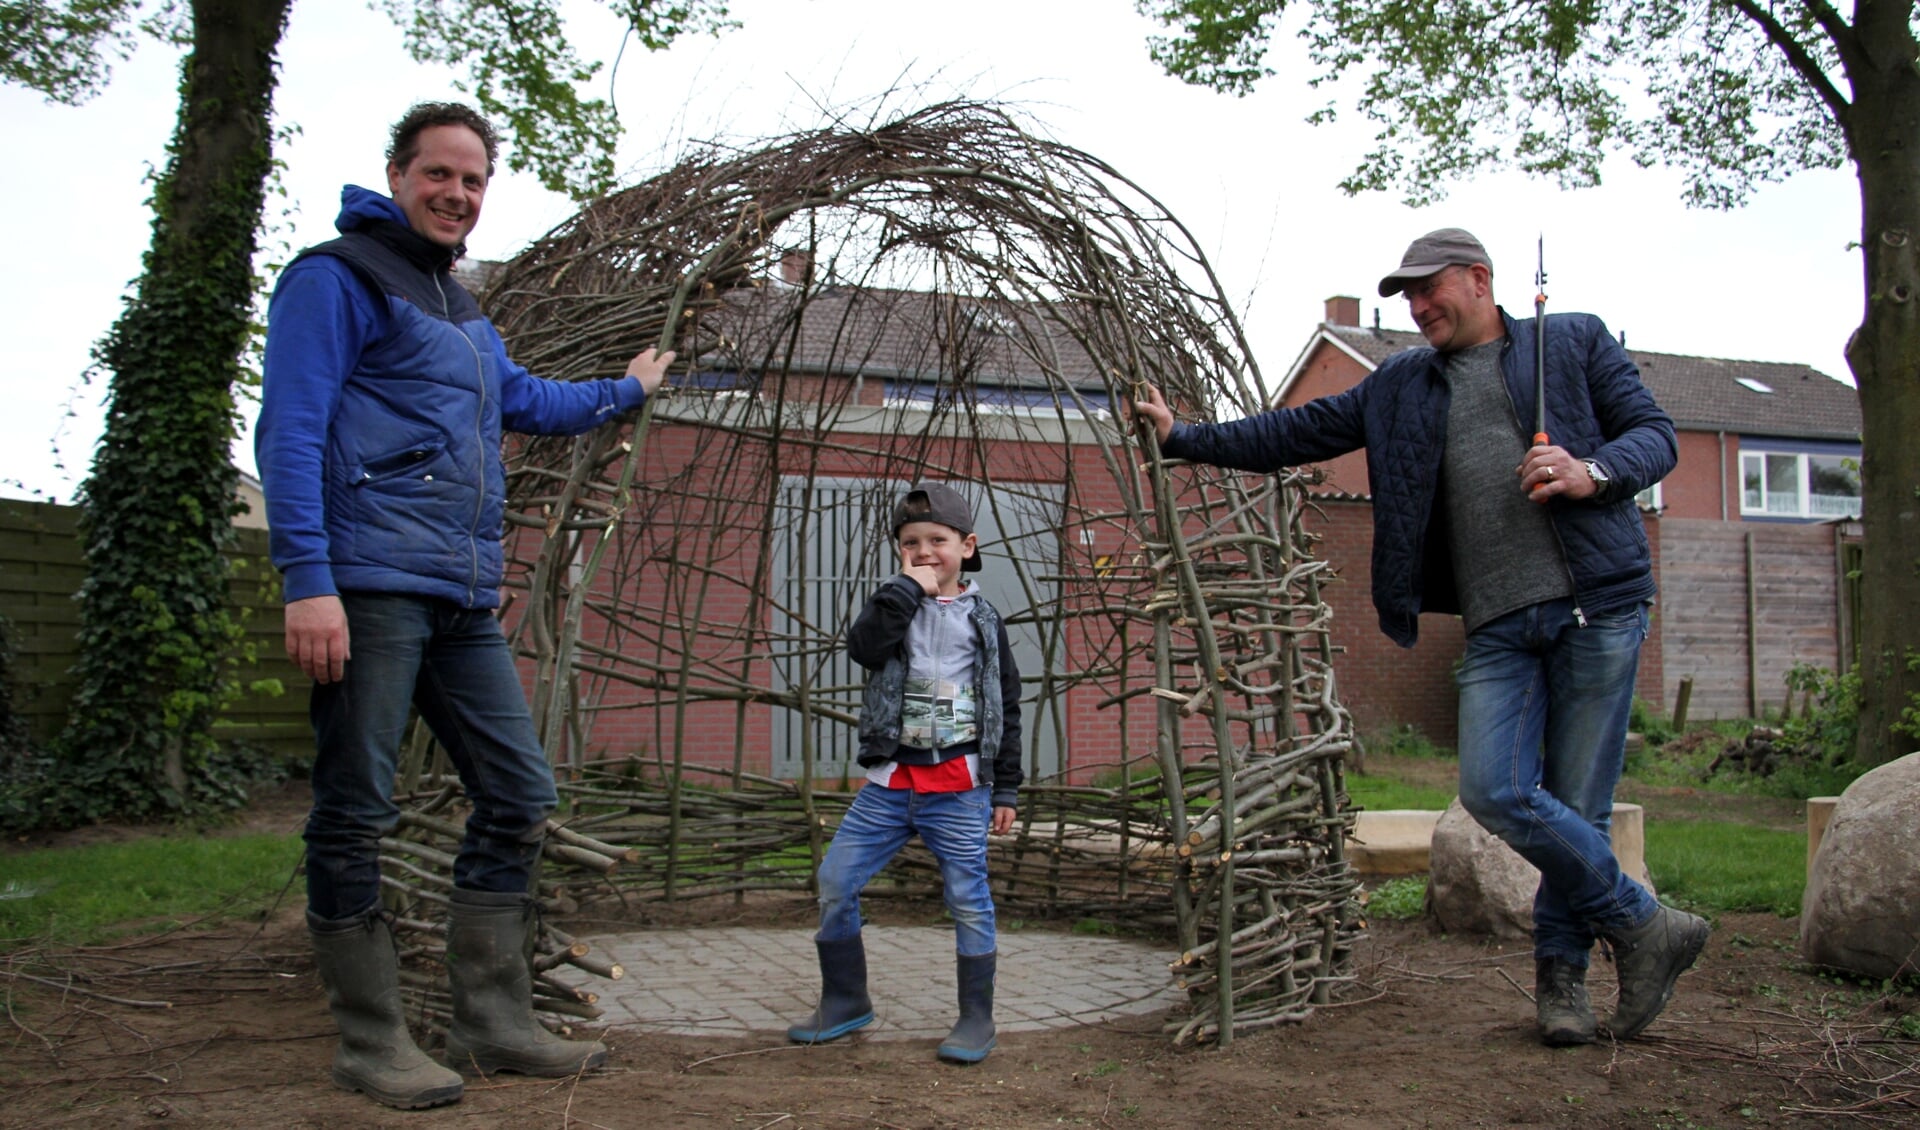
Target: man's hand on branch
{"x": 649, "y": 368}
{"x": 1150, "y": 408}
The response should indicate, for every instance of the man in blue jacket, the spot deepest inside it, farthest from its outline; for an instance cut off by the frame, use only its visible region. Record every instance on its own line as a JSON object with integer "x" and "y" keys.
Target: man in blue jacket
{"x": 1540, "y": 550}
{"x": 386, "y": 392}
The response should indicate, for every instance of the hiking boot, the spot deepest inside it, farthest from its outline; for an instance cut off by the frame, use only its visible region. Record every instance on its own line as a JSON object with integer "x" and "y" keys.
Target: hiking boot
{"x": 1649, "y": 959}
{"x": 493, "y": 1026}
{"x": 972, "y": 1036}
{"x": 1560, "y": 1002}
{"x": 844, "y": 1004}
{"x": 376, "y": 1055}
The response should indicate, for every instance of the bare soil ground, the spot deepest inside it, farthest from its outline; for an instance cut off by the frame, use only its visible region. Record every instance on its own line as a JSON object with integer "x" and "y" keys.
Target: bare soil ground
{"x": 226, "y": 1027}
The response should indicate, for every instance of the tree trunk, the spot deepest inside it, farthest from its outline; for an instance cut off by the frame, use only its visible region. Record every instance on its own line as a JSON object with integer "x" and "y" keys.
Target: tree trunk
{"x": 155, "y": 630}
{"x": 1884, "y": 354}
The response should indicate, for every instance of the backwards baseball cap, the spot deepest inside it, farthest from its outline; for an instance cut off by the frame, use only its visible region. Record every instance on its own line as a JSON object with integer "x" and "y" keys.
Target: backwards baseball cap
{"x": 1435, "y": 251}
{"x": 937, "y": 502}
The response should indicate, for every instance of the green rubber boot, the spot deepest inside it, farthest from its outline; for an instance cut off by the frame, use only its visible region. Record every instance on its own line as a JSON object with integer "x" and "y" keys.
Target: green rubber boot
{"x": 493, "y": 1027}
{"x": 377, "y": 1055}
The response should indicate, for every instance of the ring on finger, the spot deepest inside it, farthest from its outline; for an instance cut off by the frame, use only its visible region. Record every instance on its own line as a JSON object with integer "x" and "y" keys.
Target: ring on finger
{"x": 1550, "y": 472}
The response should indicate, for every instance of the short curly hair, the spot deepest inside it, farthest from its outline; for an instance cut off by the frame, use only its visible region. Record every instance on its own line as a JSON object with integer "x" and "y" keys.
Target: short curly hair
{"x": 422, "y": 116}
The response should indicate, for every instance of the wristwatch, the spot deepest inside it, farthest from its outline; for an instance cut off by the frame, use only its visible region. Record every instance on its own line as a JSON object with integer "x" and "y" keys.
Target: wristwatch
{"x": 1599, "y": 476}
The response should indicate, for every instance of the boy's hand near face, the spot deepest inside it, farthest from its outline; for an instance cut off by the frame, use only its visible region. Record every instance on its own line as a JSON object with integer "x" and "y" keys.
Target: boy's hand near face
{"x": 1002, "y": 820}
{"x": 923, "y": 575}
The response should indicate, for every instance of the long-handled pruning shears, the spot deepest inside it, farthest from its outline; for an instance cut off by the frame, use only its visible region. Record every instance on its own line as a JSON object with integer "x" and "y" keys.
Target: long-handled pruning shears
{"x": 1540, "y": 347}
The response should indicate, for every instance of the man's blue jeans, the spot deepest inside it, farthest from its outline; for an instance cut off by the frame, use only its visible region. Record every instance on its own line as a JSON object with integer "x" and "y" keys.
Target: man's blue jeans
{"x": 878, "y": 824}
{"x": 455, "y": 667}
{"x": 1544, "y": 704}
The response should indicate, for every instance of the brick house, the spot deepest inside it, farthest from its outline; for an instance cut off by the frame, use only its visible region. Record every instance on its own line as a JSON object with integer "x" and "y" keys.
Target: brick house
{"x": 765, "y": 483}
{"x": 1769, "y": 459}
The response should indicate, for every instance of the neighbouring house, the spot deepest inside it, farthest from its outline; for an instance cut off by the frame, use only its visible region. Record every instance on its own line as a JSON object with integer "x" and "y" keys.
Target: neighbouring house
{"x": 253, "y": 503}
{"x": 1751, "y": 534}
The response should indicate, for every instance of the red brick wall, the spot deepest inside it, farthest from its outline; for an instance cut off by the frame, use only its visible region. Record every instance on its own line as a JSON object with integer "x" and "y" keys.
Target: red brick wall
{"x": 1327, "y": 371}
{"x": 1692, "y": 489}
{"x": 1382, "y": 684}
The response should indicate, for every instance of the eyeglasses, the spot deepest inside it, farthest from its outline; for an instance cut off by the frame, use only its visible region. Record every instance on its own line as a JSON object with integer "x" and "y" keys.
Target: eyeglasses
{"x": 1424, "y": 288}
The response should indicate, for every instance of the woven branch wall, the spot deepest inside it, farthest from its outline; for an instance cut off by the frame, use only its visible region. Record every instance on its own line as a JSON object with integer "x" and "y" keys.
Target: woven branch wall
{"x": 941, "y": 296}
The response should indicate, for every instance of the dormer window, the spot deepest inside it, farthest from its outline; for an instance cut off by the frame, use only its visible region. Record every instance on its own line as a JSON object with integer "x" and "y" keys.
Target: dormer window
{"x": 1756, "y": 386}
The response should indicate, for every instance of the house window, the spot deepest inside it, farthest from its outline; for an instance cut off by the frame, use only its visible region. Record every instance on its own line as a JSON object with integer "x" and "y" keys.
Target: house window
{"x": 1792, "y": 484}
{"x": 1648, "y": 499}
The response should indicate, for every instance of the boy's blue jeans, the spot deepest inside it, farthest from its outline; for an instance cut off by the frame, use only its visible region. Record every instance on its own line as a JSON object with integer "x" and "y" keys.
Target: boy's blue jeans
{"x": 1544, "y": 704}
{"x": 454, "y": 665}
{"x": 878, "y": 824}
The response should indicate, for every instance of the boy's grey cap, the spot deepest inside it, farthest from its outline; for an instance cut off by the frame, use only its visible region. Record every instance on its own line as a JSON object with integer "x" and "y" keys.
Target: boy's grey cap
{"x": 1435, "y": 251}
{"x": 945, "y": 506}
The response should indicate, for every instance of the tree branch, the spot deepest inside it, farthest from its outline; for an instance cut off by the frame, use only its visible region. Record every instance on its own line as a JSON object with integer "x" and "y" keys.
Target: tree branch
{"x": 1802, "y": 61}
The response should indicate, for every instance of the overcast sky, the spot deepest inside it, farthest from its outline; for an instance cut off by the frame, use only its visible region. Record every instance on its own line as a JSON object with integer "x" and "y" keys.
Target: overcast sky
{"x": 1774, "y": 281}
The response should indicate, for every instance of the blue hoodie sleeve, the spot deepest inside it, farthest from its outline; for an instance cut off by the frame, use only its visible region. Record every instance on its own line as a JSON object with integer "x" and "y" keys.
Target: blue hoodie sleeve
{"x": 535, "y": 406}
{"x": 318, "y": 323}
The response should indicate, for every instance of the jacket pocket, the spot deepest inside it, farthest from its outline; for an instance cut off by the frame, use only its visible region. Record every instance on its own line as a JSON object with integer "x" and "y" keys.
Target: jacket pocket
{"x": 414, "y": 459}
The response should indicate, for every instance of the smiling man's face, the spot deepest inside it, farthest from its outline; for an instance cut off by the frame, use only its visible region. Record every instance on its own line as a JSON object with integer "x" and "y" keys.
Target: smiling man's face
{"x": 440, "y": 190}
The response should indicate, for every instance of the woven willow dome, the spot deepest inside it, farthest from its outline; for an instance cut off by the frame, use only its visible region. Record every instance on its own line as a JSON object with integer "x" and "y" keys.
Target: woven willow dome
{"x": 945, "y": 296}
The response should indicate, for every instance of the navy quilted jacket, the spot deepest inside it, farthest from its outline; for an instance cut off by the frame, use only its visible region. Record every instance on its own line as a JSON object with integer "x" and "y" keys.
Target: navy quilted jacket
{"x": 1596, "y": 409}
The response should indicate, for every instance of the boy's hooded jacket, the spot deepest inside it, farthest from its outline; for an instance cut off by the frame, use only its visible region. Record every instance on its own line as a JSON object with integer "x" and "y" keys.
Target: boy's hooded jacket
{"x": 879, "y": 640}
{"x": 385, "y": 394}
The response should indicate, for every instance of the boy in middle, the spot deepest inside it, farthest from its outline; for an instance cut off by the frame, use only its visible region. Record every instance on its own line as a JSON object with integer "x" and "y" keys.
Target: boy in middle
{"x": 940, "y": 741}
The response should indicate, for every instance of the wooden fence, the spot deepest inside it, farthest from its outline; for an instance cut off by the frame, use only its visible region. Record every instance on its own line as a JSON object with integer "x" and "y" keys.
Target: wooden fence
{"x": 1742, "y": 603}
{"x": 41, "y": 567}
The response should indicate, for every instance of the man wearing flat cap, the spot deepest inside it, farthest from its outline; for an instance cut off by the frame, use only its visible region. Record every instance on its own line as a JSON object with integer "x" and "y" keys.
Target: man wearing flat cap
{"x": 1540, "y": 550}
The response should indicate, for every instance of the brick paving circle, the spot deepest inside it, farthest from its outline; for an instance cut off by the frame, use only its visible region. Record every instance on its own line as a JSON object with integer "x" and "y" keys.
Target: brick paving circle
{"x": 739, "y": 981}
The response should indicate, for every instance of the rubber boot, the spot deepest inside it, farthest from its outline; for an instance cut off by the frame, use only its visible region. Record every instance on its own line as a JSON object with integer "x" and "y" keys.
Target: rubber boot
{"x": 493, "y": 1027}
{"x": 844, "y": 1004}
{"x": 972, "y": 1036}
{"x": 376, "y": 1056}
{"x": 1562, "y": 1008}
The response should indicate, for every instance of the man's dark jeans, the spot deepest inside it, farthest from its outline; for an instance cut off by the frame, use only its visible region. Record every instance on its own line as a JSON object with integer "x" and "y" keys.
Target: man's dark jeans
{"x": 455, "y": 667}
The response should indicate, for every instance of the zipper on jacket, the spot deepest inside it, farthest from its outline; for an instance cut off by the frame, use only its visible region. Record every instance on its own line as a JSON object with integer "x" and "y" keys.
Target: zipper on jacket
{"x": 480, "y": 438}
{"x": 1573, "y": 582}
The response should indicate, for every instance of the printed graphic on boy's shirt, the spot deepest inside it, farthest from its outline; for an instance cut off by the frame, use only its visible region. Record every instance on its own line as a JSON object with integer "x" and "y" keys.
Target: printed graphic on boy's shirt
{"x": 937, "y": 713}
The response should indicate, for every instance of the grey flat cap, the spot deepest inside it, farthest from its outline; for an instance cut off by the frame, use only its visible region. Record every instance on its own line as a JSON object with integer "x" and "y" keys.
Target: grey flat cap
{"x": 1434, "y": 251}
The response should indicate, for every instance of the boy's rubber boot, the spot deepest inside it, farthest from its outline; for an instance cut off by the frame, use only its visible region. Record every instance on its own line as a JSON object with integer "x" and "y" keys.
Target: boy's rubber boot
{"x": 493, "y": 1028}
{"x": 1648, "y": 960}
{"x": 377, "y": 1055}
{"x": 1561, "y": 1006}
{"x": 972, "y": 1036}
{"x": 844, "y": 1004}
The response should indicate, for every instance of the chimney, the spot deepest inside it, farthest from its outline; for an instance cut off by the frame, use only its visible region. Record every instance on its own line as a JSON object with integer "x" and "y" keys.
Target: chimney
{"x": 1343, "y": 310}
{"x": 796, "y": 267}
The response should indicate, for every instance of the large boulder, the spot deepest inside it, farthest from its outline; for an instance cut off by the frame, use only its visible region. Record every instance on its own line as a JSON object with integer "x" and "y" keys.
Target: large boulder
{"x": 1861, "y": 912}
{"x": 1479, "y": 885}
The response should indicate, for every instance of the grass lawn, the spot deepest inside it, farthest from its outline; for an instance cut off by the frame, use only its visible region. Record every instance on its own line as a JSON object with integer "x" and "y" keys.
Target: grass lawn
{"x": 1710, "y": 849}
{"x": 87, "y": 895}
{"x": 1725, "y": 866}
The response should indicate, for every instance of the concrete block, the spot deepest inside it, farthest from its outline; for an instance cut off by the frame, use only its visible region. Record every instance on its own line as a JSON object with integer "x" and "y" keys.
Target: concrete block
{"x": 1819, "y": 815}
{"x": 1392, "y": 842}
